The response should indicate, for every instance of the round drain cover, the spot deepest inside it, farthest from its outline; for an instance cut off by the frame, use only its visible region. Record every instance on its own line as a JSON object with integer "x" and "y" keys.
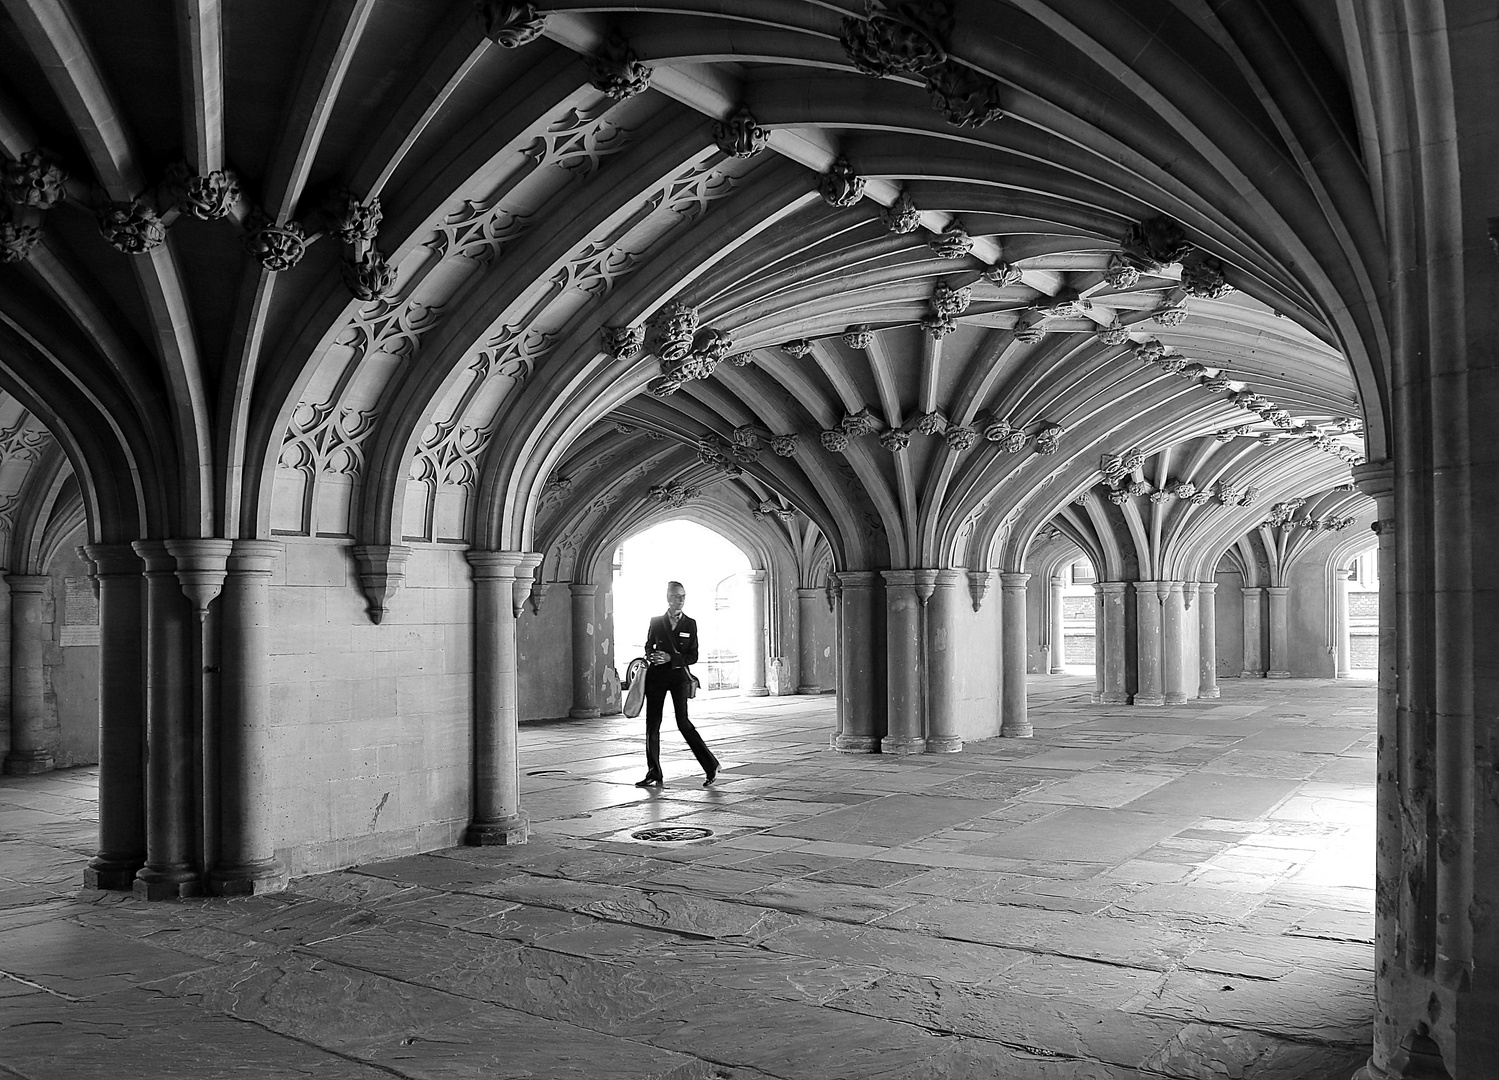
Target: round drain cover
{"x": 667, "y": 835}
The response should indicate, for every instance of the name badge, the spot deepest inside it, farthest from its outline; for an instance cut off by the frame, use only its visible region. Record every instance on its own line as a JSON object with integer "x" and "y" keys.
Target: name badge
{"x": 683, "y": 633}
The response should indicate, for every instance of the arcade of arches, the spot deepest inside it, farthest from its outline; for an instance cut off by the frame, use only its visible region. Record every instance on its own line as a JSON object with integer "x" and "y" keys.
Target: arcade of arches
{"x": 342, "y": 343}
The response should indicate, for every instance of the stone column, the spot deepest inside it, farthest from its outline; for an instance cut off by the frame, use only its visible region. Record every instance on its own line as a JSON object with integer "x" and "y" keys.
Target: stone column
{"x": 1280, "y": 642}
{"x": 1097, "y": 694}
{"x": 1254, "y": 656}
{"x": 585, "y": 652}
{"x": 497, "y": 815}
{"x": 122, "y": 717}
{"x": 756, "y": 658}
{"x": 1109, "y": 643}
{"x": 29, "y": 752}
{"x": 1148, "y": 667}
{"x": 1015, "y": 722}
{"x": 807, "y": 611}
{"x": 942, "y": 663}
{"x": 1342, "y": 645}
{"x": 173, "y": 859}
{"x": 861, "y": 682}
{"x": 1173, "y": 641}
{"x": 906, "y": 728}
{"x": 1207, "y": 638}
{"x": 247, "y": 862}
{"x": 1058, "y": 629}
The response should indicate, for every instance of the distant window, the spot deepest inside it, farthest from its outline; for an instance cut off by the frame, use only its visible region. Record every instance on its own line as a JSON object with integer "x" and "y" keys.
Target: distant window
{"x": 1082, "y": 573}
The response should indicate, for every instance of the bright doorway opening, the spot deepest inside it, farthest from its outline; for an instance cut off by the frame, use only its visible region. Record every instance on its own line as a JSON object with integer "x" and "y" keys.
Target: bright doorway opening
{"x": 716, "y": 575}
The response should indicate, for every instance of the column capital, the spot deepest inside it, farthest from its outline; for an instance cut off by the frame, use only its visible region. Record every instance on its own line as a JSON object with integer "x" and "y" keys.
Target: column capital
{"x": 28, "y": 583}
{"x": 1164, "y": 589}
{"x": 1343, "y": 573}
{"x": 757, "y": 576}
{"x": 946, "y": 579}
{"x": 1207, "y": 588}
{"x": 1277, "y": 590}
{"x": 255, "y": 556}
{"x": 581, "y": 589}
{"x": 811, "y": 594}
{"x": 1252, "y": 590}
{"x": 1111, "y": 588}
{"x": 857, "y": 579}
{"x": 111, "y": 560}
{"x": 900, "y": 578}
{"x": 489, "y": 565}
{"x": 1375, "y": 479}
{"x": 1010, "y": 581}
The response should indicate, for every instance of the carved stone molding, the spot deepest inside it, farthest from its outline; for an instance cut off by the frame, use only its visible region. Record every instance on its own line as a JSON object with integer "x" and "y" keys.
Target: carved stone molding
{"x": 931, "y": 423}
{"x": 34, "y": 181}
{"x": 835, "y": 440}
{"x": 131, "y": 227}
{"x": 965, "y": 97}
{"x": 369, "y": 277}
{"x": 17, "y": 241}
{"x": 895, "y": 440}
{"x": 1116, "y": 333}
{"x": 673, "y": 328}
{"x": 902, "y": 216}
{"x": 617, "y": 72}
{"x": 1049, "y": 439}
{"x": 1003, "y": 274}
{"x": 952, "y": 242}
{"x": 740, "y": 136}
{"x": 938, "y": 326}
{"x": 277, "y": 247}
{"x": 1029, "y": 335}
{"x": 858, "y": 337}
{"x": 1203, "y": 276}
{"x": 997, "y": 430}
{"x": 840, "y": 186}
{"x": 623, "y": 342}
{"x": 950, "y": 301}
{"x": 207, "y": 197}
{"x": 382, "y": 570}
{"x": 1120, "y": 274}
{"x": 899, "y": 36}
{"x": 858, "y": 424}
{"x": 354, "y": 221}
{"x": 1170, "y": 314}
{"x": 784, "y": 445}
{"x": 798, "y": 348}
{"x": 509, "y": 23}
{"x": 1154, "y": 244}
{"x": 960, "y": 437}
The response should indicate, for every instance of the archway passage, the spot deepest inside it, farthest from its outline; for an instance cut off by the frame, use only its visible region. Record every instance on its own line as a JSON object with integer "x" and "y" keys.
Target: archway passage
{"x": 358, "y": 348}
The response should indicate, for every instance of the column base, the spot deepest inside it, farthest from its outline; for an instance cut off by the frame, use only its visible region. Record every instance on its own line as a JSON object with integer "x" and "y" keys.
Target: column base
{"x": 252, "y": 879}
{"x": 1017, "y": 731}
{"x": 952, "y": 745}
{"x": 1251, "y": 674}
{"x": 855, "y": 744}
{"x": 902, "y": 746}
{"x": 1211, "y": 692}
{"x": 1149, "y": 699}
{"x": 504, "y": 832}
{"x": 583, "y": 714}
{"x": 28, "y": 762}
{"x": 153, "y": 884}
{"x": 1277, "y": 674}
{"x": 104, "y": 872}
{"x": 1057, "y": 671}
{"x": 1176, "y": 699}
{"x": 809, "y": 689}
{"x": 757, "y": 691}
{"x": 1114, "y": 697}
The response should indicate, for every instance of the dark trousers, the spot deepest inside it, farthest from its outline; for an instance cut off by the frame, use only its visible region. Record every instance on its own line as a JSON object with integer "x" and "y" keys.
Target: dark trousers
{"x": 659, "y": 681}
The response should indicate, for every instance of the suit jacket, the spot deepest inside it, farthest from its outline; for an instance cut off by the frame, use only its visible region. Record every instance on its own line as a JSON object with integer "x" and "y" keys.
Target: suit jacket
{"x": 681, "y": 643}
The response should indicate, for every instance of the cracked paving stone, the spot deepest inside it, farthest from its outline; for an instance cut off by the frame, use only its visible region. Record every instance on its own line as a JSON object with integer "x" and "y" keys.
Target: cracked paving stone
{"x": 1327, "y": 1007}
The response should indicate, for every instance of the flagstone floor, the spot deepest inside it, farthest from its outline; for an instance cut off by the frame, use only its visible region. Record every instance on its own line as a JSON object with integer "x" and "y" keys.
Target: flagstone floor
{"x": 1174, "y": 892}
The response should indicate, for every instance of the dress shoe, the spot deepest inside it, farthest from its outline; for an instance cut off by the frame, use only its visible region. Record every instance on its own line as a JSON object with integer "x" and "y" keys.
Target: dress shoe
{"x": 712, "y": 775}
{"x": 649, "y": 781}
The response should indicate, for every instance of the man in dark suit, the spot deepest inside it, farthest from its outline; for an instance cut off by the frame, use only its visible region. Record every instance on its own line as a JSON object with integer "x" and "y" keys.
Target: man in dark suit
{"x": 671, "y": 645}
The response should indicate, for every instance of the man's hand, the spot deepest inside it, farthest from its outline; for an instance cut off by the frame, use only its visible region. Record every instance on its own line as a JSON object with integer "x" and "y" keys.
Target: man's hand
{"x": 659, "y": 657}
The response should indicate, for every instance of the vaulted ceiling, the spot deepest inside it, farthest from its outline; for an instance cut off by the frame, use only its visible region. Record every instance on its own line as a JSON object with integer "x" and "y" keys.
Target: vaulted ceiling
{"x": 926, "y": 275}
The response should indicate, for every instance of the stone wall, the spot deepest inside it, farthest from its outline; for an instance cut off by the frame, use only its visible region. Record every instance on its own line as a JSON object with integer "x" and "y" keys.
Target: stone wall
{"x": 1229, "y": 603}
{"x": 975, "y": 636}
{"x": 371, "y": 724}
{"x": 70, "y": 659}
{"x": 544, "y": 644}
